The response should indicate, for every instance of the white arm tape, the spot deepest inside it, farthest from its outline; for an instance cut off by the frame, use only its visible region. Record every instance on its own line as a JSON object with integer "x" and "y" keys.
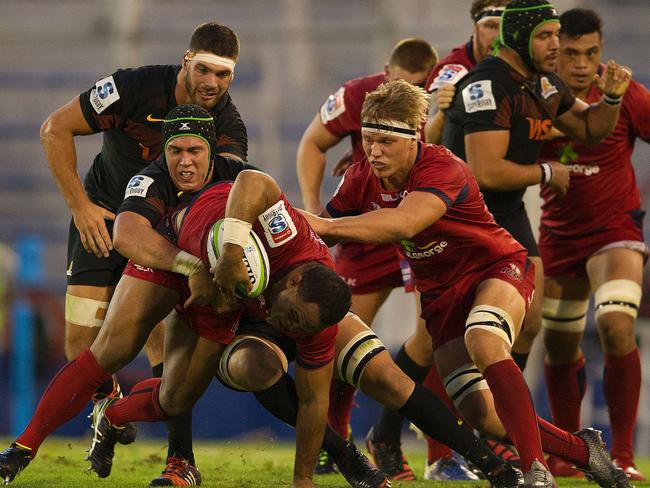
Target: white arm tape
{"x": 236, "y": 231}
{"x": 186, "y": 264}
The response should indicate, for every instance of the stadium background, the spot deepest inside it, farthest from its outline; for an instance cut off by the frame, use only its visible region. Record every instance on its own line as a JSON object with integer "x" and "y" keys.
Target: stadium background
{"x": 293, "y": 54}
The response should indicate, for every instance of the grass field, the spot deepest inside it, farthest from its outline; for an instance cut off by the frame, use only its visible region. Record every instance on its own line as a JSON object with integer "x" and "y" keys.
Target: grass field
{"x": 60, "y": 464}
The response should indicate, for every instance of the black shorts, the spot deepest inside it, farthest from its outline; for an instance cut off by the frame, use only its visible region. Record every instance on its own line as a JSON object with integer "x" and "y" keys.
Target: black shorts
{"x": 517, "y": 223}
{"x": 85, "y": 268}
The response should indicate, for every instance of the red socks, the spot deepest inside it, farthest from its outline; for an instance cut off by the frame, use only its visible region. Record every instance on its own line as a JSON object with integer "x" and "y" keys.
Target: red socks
{"x": 622, "y": 385}
{"x": 340, "y": 410}
{"x": 142, "y": 404}
{"x": 566, "y": 386}
{"x": 514, "y": 406}
{"x": 65, "y": 397}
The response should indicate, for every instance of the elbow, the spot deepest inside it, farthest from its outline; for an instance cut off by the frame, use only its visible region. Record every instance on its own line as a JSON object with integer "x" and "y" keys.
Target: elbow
{"x": 121, "y": 242}
{"x": 47, "y": 129}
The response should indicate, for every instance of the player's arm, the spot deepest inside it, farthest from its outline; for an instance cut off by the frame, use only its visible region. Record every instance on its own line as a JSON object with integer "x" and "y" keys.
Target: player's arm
{"x": 590, "y": 124}
{"x": 486, "y": 151}
{"x": 434, "y": 127}
{"x": 415, "y": 213}
{"x": 57, "y": 137}
{"x": 136, "y": 239}
{"x": 311, "y": 161}
{"x": 312, "y": 387}
{"x": 252, "y": 193}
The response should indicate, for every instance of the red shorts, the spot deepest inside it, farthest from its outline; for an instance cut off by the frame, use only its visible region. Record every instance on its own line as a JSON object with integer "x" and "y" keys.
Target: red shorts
{"x": 446, "y": 314}
{"x": 205, "y": 321}
{"x": 568, "y": 257}
{"x": 368, "y": 268}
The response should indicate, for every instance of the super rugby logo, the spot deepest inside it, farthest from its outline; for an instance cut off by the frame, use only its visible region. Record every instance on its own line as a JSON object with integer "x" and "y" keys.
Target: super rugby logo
{"x": 450, "y": 73}
{"x": 413, "y": 251}
{"x": 478, "y": 97}
{"x": 138, "y": 186}
{"x": 104, "y": 94}
{"x": 278, "y": 225}
{"x": 333, "y": 106}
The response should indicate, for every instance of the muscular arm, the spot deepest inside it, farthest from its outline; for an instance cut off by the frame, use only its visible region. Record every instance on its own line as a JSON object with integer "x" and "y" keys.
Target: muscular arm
{"x": 588, "y": 124}
{"x": 57, "y": 137}
{"x": 486, "y": 152}
{"x": 252, "y": 193}
{"x": 434, "y": 127}
{"x": 415, "y": 213}
{"x": 312, "y": 387}
{"x": 311, "y": 160}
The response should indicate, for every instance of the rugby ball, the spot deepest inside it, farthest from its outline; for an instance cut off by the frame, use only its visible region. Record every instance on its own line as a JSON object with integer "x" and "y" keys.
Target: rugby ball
{"x": 255, "y": 259}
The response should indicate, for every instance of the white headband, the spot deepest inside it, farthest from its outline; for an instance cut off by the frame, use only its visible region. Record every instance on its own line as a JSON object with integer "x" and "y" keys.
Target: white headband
{"x": 489, "y": 12}
{"x": 391, "y": 128}
{"x": 210, "y": 58}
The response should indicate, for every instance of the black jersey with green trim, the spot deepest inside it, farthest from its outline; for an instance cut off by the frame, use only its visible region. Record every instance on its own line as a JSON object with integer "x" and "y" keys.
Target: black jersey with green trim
{"x": 493, "y": 96}
{"x": 128, "y": 108}
{"x": 151, "y": 193}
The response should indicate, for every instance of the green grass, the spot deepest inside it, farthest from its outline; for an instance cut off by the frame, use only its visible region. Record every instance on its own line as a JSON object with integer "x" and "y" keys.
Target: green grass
{"x": 223, "y": 464}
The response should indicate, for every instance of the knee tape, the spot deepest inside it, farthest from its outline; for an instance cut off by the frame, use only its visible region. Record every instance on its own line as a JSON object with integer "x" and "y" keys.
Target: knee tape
{"x": 354, "y": 357}
{"x": 463, "y": 381}
{"x": 222, "y": 370}
{"x": 85, "y": 312}
{"x": 491, "y": 319}
{"x": 564, "y": 315}
{"x": 618, "y": 296}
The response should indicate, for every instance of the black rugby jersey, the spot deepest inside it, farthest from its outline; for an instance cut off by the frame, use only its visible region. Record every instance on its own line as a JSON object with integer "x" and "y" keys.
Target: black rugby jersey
{"x": 128, "y": 108}
{"x": 151, "y": 193}
{"x": 493, "y": 96}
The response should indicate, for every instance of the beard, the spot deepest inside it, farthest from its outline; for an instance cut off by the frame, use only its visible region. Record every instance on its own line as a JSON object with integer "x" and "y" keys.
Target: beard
{"x": 194, "y": 98}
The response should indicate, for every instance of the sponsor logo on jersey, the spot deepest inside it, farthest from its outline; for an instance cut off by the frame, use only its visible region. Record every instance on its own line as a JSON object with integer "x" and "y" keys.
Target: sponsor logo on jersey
{"x": 478, "y": 97}
{"x": 539, "y": 129}
{"x": 333, "y": 106}
{"x": 513, "y": 271}
{"x": 449, "y": 73}
{"x": 583, "y": 169}
{"x": 547, "y": 87}
{"x": 142, "y": 268}
{"x": 151, "y": 118}
{"x": 69, "y": 270}
{"x": 278, "y": 225}
{"x": 567, "y": 153}
{"x": 350, "y": 281}
{"x": 104, "y": 94}
{"x": 138, "y": 186}
{"x": 413, "y": 251}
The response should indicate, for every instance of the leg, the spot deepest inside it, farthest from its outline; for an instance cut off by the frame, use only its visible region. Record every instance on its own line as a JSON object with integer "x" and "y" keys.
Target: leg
{"x": 616, "y": 276}
{"x": 533, "y": 319}
{"x": 380, "y": 378}
{"x": 564, "y": 318}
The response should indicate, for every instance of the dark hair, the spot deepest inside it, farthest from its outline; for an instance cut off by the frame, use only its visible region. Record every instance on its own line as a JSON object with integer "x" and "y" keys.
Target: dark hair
{"x": 215, "y": 38}
{"x": 580, "y": 21}
{"x": 322, "y": 286}
{"x": 479, "y": 5}
{"x": 414, "y": 55}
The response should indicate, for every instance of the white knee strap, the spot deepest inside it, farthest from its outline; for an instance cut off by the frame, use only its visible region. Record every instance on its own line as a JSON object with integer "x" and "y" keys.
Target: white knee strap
{"x": 222, "y": 370}
{"x": 463, "y": 381}
{"x": 354, "y": 357}
{"x": 564, "y": 315}
{"x": 491, "y": 319}
{"x": 85, "y": 312}
{"x": 618, "y": 296}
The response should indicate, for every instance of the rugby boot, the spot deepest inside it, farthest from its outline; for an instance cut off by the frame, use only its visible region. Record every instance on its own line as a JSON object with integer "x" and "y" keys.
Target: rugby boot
{"x": 102, "y": 449}
{"x": 12, "y": 461}
{"x": 178, "y": 472}
{"x": 130, "y": 431}
{"x": 390, "y": 459}
{"x": 450, "y": 469}
{"x": 629, "y": 468}
{"x": 600, "y": 467}
{"x": 325, "y": 464}
{"x": 506, "y": 476}
{"x": 538, "y": 476}
{"x": 503, "y": 450}
{"x": 358, "y": 470}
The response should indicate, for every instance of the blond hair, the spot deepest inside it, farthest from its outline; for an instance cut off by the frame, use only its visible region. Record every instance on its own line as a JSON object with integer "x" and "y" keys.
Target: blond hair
{"x": 396, "y": 101}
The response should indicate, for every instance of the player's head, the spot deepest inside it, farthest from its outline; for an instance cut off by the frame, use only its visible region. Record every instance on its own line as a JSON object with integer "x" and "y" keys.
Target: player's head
{"x": 486, "y": 16}
{"x": 411, "y": 60}
{"x": 313, "y": 298}
{"x": 189, "y": 142}
{"x": 391, "y": 118}
{"x": 209, "y": 63}
{"x": 531, "y": 29}
{"x": 581, "y": 47}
